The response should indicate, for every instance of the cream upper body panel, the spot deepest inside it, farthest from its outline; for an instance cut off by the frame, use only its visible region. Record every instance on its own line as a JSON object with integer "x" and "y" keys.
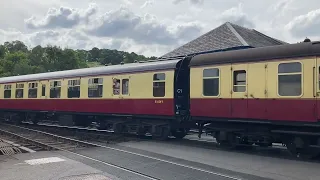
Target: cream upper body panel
{"x": 132, "y": 86}
{"x": 259, "y": 79}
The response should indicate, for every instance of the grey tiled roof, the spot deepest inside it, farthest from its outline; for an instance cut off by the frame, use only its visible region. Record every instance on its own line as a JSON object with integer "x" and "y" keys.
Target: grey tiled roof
{"x": 226, "y": 36}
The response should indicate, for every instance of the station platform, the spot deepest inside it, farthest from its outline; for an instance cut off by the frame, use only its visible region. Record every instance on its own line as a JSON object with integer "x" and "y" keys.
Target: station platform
{"x": 47, "y": 165}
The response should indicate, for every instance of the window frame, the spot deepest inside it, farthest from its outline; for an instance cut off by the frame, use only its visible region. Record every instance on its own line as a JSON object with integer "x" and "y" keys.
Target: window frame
{"x": 19, "y": 88}
{"x": 33, "y": 88}
{"x": 72, "y": 85}
{"x": 60, "y": 86}
{"x": 295, "y": 73}
{"x": 155, "y": 81}
{"x": 233, "y": 81}
{"x": 218, "y": 77}
{"x": 95, "y": 84}
{"x": 4, "y": 89}
{"x": 128, "y": 90}
{"x": 113, "y": 87}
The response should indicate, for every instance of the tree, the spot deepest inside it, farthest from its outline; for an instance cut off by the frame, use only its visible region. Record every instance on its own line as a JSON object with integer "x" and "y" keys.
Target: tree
{"x": 95, "y": 54}
{"x": 17, "y": 59}
{"x": 22, "y": 68}
{"x": 16, "y": 46}
{"x": 3, "y": 51}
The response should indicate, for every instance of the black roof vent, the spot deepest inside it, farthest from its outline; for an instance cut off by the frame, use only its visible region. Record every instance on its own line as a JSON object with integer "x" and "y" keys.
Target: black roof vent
{"x": 307, "y": 40}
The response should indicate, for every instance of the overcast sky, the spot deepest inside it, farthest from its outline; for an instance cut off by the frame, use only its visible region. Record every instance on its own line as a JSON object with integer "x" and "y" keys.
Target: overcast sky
{"x": 150, "y": 27}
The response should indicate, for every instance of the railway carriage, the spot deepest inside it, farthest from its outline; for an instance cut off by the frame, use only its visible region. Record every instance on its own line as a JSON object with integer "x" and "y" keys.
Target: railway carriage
{"x": 242, "y": 97}
{"x": 260, "y": 95}
{"x": 137, "y": 97}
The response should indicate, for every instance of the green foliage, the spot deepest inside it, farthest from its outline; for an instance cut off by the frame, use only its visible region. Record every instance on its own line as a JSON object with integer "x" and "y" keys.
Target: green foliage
{"x": 94, "y": 64}
{"x": 17, "y": 59}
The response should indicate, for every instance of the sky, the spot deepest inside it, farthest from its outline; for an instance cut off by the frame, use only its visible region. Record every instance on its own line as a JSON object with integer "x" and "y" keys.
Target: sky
{"x": 150, "y": 27}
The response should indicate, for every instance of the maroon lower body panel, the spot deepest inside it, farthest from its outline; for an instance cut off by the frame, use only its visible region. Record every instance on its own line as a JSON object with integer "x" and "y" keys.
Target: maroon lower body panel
{"x": 108, "y": 106}
{"x": 303, "y": 110}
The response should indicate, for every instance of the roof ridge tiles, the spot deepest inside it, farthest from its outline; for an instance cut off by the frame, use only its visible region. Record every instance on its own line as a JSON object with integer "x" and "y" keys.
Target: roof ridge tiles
{"x": 236, "y": 34}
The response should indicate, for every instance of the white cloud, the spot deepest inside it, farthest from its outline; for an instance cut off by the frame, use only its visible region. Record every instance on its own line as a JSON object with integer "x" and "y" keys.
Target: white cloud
{"x": 191, "y": 1}
{"x": 123, "y": 23}
{"x": 237, "y": 16}
{"x": 121, "y": 29}
{"x": 305, "y": 25}
{"x": 147, "y": 3}
{"x": 147, "y": 26}
{"x": 64, "y": 17}
{"x": 66, "y": 39}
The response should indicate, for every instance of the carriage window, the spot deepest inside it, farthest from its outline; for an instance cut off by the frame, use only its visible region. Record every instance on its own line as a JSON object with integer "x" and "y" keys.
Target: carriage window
{"x": 116, "y": 86}
{"x": 95, "y": 87}
{"x": 211, "y": 82}
{"x": 125, "y": 86}
{"x": 19, "y": 90}
{"x": 7, "y": 91}
{"x": 290, "y": 79}
{"x": 43, "y": 93}
{"x": 239, "y": 81}
{"x": 159, "y": 85}
{"x": 74, "y": 88}
{"x": 33, "y": 90}
{"x": 55, "y": 89}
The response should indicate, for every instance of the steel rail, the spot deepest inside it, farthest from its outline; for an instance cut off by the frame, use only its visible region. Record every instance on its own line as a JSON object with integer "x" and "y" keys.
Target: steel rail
{"x": 68, "y": 151}
{"x": 132, "y": 153}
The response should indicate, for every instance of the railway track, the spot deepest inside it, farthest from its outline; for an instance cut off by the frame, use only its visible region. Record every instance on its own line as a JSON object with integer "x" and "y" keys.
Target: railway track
{"x": 104, "y": 137}
{"x": 49, "y": 141}
{"x": 37, "y": 140}
{"x": 207, "y": 141}
{"x": 80, "y": 133}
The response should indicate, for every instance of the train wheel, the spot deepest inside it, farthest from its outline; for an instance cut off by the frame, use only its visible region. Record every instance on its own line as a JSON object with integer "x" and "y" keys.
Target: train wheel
{"x": 16, "y": 118}
{"x": 300, "y": 148}
{"x": 33, "y": 117}
{"x": 179, "y": 133}
{"x": 102, "y": 124}
{"x": 141, "y": 132}
{"x": 118, "y": 128}
{"x": 161, "y": 133}
{"x": 226, "y": 140}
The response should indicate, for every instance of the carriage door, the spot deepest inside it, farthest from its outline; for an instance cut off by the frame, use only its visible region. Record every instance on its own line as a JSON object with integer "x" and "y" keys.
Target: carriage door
{"x": 116, "y": 90}
{"x": 239, "y": 91}
{"x": 43, "y": 87}
{"x": 127, "y": 108}
{"x": 316, "y": 89}
{"x": 257, "y": 92}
